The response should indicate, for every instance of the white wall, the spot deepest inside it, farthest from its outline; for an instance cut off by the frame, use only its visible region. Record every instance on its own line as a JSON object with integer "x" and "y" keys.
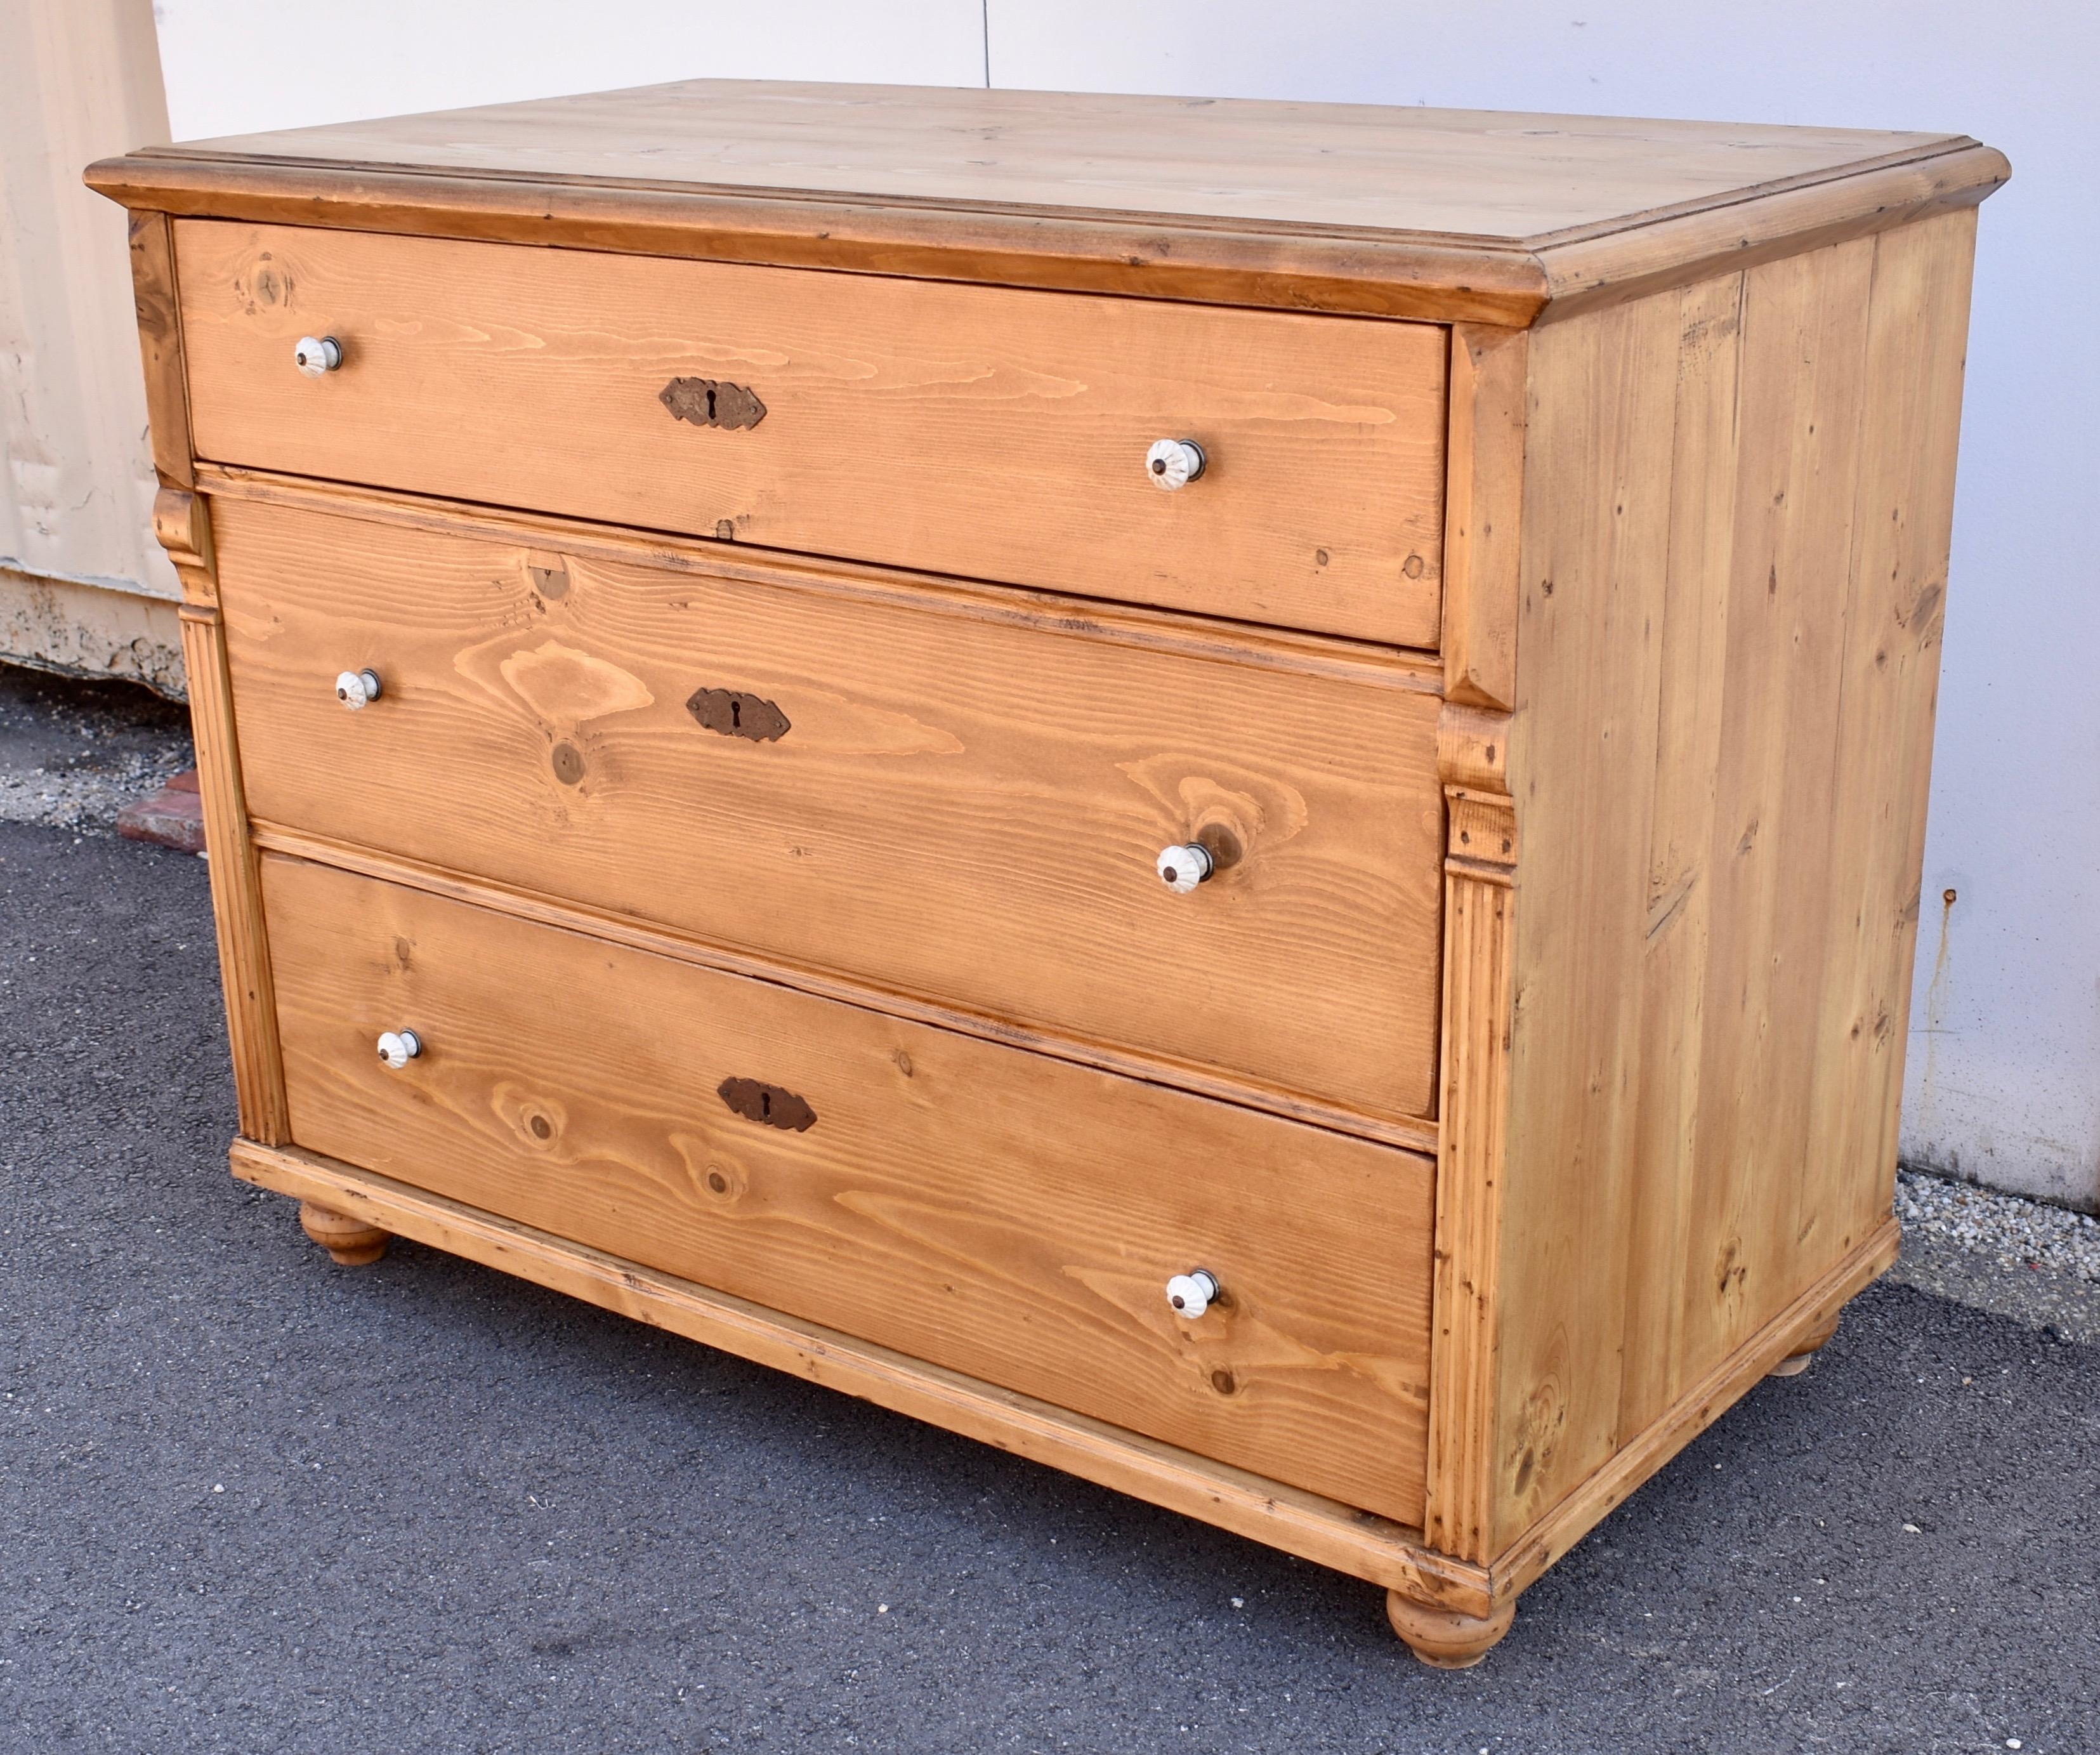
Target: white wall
{"x": 2005, "y": 1061}
{"x": 239, "y": 66}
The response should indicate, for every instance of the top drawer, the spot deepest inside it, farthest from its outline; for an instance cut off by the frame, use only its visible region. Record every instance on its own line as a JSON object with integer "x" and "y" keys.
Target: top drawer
{"x": 983, "y": 431}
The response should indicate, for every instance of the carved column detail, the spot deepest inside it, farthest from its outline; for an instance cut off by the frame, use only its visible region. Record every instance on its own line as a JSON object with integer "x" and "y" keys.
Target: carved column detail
{"x": 1473, "y": 1100}
{"x": 182, "y": 522}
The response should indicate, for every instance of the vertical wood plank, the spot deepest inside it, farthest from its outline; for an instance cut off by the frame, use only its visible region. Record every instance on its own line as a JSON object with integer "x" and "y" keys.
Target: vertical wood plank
{"x": 1484, "y": 497}
{"x": 158, "y": 309}
{"x": 1602, "y": 402}
{"x": 182, "y": 523}
{"x": 1917, "y": 336}
{"x": 1672, "y": 956}
{"x": 1803, "y": 356}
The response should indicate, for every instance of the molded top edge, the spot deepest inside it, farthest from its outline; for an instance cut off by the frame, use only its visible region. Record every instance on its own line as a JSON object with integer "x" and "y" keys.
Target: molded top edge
{"x": 1482, "y": 176}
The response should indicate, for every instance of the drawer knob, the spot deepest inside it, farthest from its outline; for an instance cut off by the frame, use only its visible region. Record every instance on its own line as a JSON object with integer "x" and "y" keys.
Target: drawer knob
{"x": 317, "y": 356}
{"x": 1173, "y": 463}
{"x": 357, "y": 689}
{"x": 1182, "y": 868}
{"x": 398, "y": 1047}
{"x": 1192, "y": 1293}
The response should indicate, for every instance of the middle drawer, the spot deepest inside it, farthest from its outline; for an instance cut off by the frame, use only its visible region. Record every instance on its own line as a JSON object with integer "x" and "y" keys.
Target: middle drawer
{"x": 950, "y": 799}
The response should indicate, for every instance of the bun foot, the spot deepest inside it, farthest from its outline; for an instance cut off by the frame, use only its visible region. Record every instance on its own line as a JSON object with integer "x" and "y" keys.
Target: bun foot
{"x": 1443, "y": 1638}
{"x": 1810, "y": 1344}
{"x": 350, "y": 1242}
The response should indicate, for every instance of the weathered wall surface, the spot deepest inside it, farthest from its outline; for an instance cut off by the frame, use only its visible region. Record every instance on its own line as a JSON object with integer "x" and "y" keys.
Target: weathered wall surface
{"x": 83, "y": 586}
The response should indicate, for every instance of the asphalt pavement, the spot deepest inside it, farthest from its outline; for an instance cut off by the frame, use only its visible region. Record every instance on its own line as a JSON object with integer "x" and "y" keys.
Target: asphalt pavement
{"x": 252, "y": 1501}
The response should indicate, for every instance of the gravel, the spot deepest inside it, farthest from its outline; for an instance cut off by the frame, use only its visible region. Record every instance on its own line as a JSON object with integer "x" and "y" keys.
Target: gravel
{"x": 2016, "y": 1233}
{"x": 73, "y": 754}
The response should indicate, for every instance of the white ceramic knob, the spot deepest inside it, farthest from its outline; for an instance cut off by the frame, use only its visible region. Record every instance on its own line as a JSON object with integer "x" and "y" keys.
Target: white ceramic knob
{"x": 1182, "y": 868}
{"x": 398, "y": 1047}
{"x": 317, "y": 356}
{"x": 1173, "y": 463}
{"x": 357, "y": 689}
{"x": 1193, "y": 1293}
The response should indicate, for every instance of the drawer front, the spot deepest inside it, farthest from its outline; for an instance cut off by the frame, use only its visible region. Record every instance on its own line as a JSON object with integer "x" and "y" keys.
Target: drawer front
{"x": 961, "y": 806}
{"x": 985, "y": 432}
{"x": 1002, "y": 1214}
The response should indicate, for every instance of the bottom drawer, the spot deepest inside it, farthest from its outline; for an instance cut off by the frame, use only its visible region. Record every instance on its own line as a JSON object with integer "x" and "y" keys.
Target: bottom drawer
{"x": 986, "y": 1209}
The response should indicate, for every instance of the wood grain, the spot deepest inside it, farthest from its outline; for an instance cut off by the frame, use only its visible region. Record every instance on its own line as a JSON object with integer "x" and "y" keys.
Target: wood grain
{"x": 1449, "y": 215}
{"x": 1595, "y": 572}
{"x": 161, "y": 347}
{"x": 1391, "y": 1556}
{"x": 1698, "y": 1406}
{"x": 789, "y": 676}
{"x": 350, "y": 1242}
{"x": 1276, "y": 267}
{"x": 1916, "y": 341}
{"x": 182, "y": 525}
{"x": 1801, "y": 406}
{"x": 1736, "y": 505}
{"x": 965, "y": 810}
{"x": 1690, "y": 698}
{"x": 988, "y": 1210}
{"x": 976, "y": 431}
{"x": 1459, "y": 1515}
{"x": 236, "y": 899}
{"x": 1444, "y": 1640}
{"x": 1587, "y": 269}
{"x": 1483, "y": 503}
{"x": 1238, "y": 644}
{"x": 1410, "y": 1133}
{"x": 1324, "y": 1531}
{"x": 1471, "y": 172}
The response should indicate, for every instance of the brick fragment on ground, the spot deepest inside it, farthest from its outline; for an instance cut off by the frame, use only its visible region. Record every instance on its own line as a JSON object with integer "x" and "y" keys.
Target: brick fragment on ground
{"x": 174, "y": 817}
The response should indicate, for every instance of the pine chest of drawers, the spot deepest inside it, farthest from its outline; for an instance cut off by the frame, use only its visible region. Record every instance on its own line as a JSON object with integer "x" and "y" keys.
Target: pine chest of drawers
{"x": 1229, "y": 793}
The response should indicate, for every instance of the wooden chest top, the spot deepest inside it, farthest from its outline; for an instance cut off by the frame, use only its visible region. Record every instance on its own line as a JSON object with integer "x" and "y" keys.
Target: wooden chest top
{"x": 1408, "y": 212}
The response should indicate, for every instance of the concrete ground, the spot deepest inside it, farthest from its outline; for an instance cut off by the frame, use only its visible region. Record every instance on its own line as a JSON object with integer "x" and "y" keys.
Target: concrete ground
{"x": 250, "y": 1501}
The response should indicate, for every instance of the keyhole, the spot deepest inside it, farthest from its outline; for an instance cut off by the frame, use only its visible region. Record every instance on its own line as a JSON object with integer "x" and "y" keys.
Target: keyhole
{"x": 766, "y": 1104}
{"x": 711, "y": 406}
{"x": 736, "y": 714}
